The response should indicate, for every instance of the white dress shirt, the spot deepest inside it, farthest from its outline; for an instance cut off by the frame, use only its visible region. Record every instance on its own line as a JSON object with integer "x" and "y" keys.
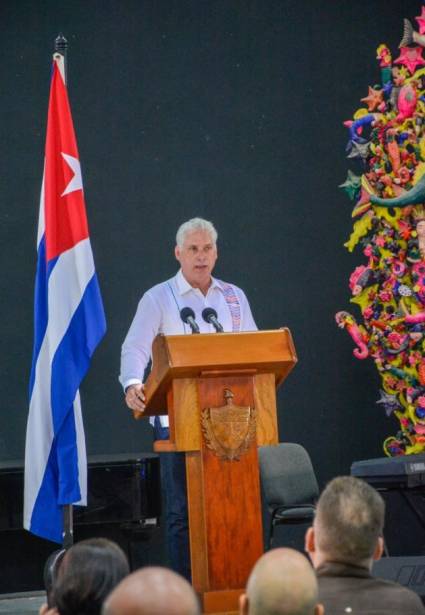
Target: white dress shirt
{"x": 159, "y": 312}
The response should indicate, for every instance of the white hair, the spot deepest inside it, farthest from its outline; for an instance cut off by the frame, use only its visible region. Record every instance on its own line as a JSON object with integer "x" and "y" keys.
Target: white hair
{"x": 195, "y": 224}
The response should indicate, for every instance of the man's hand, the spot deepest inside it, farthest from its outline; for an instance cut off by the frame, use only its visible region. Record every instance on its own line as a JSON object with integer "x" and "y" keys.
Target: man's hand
{"x": 135, "y": 397}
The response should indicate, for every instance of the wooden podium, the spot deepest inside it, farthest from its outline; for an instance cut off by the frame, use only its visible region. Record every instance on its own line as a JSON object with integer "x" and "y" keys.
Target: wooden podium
{"x": 219, "y": 391}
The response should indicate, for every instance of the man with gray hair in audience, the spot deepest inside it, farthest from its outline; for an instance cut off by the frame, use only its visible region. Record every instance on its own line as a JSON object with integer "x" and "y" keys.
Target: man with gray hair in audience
{"x": 160, "y": 311}
{"x": 152, "y": 591}
{"x": 282, "y": 582}
{"x": 345, "y": 539}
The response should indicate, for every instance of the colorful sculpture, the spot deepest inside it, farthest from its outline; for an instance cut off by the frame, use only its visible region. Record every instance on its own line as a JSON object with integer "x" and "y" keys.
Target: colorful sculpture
{"x": 387, "y": 137}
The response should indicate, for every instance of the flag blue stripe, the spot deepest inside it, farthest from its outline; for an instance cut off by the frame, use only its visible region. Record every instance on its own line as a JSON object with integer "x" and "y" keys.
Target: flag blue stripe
{"x": 61, "y": 475}
{"x": 46, "y": 518}
{"x": 72, "y": 358}
{"x": 41, "y": 315}
{"x": 67, "y": 460}
{"x": 40, "y": 308}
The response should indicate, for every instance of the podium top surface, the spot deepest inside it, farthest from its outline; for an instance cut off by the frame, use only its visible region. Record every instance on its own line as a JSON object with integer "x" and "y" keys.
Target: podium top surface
{"x": 190, "y": 356}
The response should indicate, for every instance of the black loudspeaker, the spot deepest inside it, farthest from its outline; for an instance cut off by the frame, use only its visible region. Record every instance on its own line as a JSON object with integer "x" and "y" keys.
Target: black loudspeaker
{"x": 401, "y": 482}
{"x": 404, "y": 529}
{"x": 123, "y": 505}
{"x": 408, "y": 571}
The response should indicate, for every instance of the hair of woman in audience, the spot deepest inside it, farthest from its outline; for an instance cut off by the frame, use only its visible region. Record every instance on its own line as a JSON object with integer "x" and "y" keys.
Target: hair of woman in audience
{"x": 89, "y": 571}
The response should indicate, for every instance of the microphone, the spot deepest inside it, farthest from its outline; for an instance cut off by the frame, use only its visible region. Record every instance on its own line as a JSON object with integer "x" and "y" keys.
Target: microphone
{"x": 210, "y": 316}
{"x": 188, "y": 316}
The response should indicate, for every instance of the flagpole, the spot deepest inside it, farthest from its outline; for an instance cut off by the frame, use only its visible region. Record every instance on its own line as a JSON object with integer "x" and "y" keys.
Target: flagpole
{"x": 61, "y": 47}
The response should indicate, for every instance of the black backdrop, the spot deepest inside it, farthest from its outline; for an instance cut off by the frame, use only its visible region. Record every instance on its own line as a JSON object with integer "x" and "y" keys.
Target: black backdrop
{"x": 227, "y": 109}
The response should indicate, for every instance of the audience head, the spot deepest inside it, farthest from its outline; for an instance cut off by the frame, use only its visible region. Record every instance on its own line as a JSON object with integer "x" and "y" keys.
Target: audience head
{"x": 89, "y": 570}
{"x": 282, "y": 582}
{"x": 152, "y": 591}
{"x": 50, "y": 573}
{"x": 348, "y": 524}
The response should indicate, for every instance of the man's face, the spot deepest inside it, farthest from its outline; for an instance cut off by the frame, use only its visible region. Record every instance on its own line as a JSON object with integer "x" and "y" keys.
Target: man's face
{"x": 197, "y": 258}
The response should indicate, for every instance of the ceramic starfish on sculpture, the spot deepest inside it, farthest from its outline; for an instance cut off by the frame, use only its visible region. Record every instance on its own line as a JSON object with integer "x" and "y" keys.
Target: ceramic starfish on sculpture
{"x": 359, "y": 150}
{"x": 411, "y": 57}
{"x": 373, "y": 99}
{"x": 351, "y": 185}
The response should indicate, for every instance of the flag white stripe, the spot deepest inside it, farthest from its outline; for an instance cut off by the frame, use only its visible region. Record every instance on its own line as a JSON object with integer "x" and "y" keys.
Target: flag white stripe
{"x": 81, "y": 448}
{"x": 41, "y": 223}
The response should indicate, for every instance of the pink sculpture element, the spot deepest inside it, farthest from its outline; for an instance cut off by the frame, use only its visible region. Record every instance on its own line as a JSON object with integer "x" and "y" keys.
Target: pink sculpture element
{"x": 344, "y": 320}
{"x": 403, "y": 175}
{"x": 355, "y": 278}
{"x": 418, "y": 277}
{"x": 411, "y": 57}
{"x": 406, "y": 102}
{"x": 415, "y": 319}
{"x": 385, "y": 296}
{"x": 420, "y": 429}
{"x": 368, "y": 312}
{"x": 421, "y": 21}
{"x": 398, "y": 268}
{"x": 397, "y": 343}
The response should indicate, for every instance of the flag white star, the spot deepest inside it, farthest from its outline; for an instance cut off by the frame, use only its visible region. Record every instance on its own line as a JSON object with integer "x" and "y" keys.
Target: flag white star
{"x": 76, "y": 182}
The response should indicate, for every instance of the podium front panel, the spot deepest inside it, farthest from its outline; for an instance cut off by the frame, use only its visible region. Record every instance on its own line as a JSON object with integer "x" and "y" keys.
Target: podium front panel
{"x": 231, "y": 495}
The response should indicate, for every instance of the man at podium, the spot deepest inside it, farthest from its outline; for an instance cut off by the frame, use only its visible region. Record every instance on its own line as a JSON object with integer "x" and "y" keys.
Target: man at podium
{"x": 191, "y": 301}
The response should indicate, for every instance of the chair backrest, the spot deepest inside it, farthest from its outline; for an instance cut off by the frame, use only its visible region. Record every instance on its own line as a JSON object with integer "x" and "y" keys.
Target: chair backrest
{"x": 287, "y": 475}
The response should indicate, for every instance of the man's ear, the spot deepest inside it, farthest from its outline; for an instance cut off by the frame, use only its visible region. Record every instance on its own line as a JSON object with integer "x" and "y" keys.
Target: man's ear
{"x": 310, "y": 540}
{"x": 379, "y": 549}
{"x": 243, "y": 604}
{"x": 319, "y": 609}
{"x": 177, "y": 253}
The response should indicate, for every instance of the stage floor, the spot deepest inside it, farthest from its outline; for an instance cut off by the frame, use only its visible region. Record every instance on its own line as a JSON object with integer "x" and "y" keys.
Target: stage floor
{"x": 24, "y": 603}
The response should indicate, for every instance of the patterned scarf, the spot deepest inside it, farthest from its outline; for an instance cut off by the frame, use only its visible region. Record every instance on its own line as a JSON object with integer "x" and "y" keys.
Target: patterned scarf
{"x": 233, "y": 303}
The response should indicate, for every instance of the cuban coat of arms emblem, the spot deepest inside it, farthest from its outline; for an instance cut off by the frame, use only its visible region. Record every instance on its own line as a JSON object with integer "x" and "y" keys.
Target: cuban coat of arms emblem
{"x": 230, "y": 429}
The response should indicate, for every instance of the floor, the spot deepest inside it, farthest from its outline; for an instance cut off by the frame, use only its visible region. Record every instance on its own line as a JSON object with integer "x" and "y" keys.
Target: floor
{"x": 24, "y": 603}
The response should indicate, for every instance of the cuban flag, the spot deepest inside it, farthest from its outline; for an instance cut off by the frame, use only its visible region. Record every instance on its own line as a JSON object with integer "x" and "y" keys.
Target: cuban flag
{"x": 69, "y": 324}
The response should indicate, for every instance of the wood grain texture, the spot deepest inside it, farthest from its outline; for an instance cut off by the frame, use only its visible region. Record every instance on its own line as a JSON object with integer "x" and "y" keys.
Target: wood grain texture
{"x": 221, "y": 601}
{"x": 197, "y": 532}
{"x": 232, "y": 497}
{"x": 265, "y": 404}
{"x": 186, "y": 419}
{"x": 170, "y": 408}
{"x": 164, "y": 446}
{"x": 186, "y": 356}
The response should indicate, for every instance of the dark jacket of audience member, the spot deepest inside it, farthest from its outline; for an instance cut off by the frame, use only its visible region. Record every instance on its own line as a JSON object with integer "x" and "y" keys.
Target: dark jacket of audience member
{"x": 88, "y": 572}
{"x": 345, "y": 539}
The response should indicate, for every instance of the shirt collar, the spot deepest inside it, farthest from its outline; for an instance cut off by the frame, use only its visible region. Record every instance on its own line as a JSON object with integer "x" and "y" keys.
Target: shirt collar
{"x": 341, "y": 569}
{"x": 184, "y": 287}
